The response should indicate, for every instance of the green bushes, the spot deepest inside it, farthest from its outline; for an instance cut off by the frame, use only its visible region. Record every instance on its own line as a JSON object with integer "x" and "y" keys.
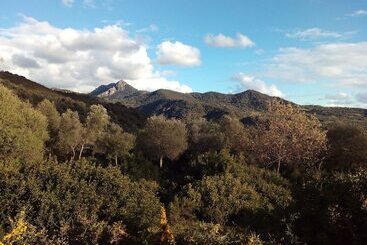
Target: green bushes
{"x": 251, "y": 198}
{"x": 79, "y": 200}
{"x": 23, "y": 130}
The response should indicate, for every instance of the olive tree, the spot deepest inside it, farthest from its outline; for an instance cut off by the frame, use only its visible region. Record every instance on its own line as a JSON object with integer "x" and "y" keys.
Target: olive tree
{"x": 95, "y": 126}
{"x": 116, "y": 143}
{"x": 70, "y": 133}
{"x": 163, "y": 137}
{"x": 236, "y": 138}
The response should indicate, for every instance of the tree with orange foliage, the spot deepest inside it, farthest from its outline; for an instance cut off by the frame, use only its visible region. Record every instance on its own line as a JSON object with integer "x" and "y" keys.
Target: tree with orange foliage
{"x": 287, "y": 135}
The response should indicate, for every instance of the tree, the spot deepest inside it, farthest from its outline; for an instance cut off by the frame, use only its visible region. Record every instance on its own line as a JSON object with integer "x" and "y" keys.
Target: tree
{"x": 116, "y": 143}
{"x": 347, "y": 146}
{"x": 48, "y": 109}
{"x": 95, "y": 126}
{"x": 236, "y": 139}
{"x": 70, "y": 133}
{"x": 23, "y": 130}
{"x": 204, "y": 136}
{"x": 163, "y": 137}
{"x": 286, "y": 135}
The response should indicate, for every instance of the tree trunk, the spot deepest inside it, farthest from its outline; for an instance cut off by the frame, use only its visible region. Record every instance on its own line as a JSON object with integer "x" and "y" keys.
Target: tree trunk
{"x": 81, "y": 151}
{"x": 278, "y": 168}
{"x": 161, "y": 162}
{"x": 116, "y": 160}
{"x": 73, "y": 157}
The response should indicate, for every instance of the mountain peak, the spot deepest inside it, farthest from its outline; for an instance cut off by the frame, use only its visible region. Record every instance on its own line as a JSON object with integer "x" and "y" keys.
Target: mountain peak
{"x": 120, "y": 89}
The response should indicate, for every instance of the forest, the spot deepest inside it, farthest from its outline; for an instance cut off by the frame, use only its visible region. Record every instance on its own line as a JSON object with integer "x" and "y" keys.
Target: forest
{"x": 275, "y": 178}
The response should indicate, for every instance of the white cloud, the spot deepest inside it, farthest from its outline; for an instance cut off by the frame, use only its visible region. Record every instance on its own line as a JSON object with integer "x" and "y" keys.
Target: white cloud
{"x": 79, "y": 59}
{"x": 177, "y": 53}
{"x": 250, "y": 82}
{"x": 342, "y": 64}
{"x": 313, "y": 33}
{"x": 222, "y": 41}
{"x": 68, "y": 3}
{"x": 358, "y": 13}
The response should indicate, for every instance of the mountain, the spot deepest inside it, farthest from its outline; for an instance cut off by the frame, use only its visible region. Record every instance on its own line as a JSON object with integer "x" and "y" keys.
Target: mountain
{"x": 116, "y": 91}
{"x": 129, "y": 118}
{"x": 184, "y": 105}
{"x": 214, "y": 105}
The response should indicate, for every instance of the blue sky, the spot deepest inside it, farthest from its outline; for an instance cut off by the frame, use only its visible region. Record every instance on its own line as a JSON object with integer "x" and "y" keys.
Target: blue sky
{"x": 307, "y": 51}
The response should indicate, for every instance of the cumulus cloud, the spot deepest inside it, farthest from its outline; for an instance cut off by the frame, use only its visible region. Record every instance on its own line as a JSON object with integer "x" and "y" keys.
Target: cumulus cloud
{"x": 312, "y": 33}
{"x": 249, "y": 82}
{"x": 68, "y": 3}
{"x": 358, "y": 13}
{"x": 337, "y": 64}
{"x": 79, "y": 60}
{"x": 222, "y": 41}
{"x": 177, "y": 53}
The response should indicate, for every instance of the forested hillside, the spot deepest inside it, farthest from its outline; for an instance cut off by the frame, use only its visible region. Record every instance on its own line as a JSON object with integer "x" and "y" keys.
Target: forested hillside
{"x": 212, "y": 105}
{"x": 77, "y": 170}
{"x": 33, "y": 92}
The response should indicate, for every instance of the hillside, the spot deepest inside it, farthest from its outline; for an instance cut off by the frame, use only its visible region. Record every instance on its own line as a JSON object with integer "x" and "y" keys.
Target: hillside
{"x": 129, "y": 118}
{"x": 214, "y": 105}
{"x": 186, "y": 105}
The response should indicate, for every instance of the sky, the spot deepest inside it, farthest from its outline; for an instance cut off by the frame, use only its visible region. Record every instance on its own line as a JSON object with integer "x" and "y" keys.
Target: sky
{"x": 306, "y": 51}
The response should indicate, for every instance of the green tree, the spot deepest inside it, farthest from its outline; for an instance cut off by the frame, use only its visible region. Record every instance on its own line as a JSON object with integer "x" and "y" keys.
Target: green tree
{"x": 236, "y": 138}
{"x": 70, "y": 133}
{"x": 48, "y": 109}
{"x": 95, "y": 127}
{"x": 116, "y": 143}
{"x": 23, "y": 130}
{"x": 204, "y": 136}
{"x": 163, "y": 137}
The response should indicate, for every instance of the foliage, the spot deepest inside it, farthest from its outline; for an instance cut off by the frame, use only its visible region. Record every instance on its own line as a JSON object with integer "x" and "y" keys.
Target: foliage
{"x": 163, "y": 137}
{"x": 23, "y": 130}
{"x": 288, "y": 136}
{"x": 78, "y": 200}
{"x": 70, "y": 133}
{"x": 348, "y": 146}
{"x": 214, "y": 185}
{"x": 116, "y": 143}
{"x": 250, "y": 197}
{"x": 332, "y": 208}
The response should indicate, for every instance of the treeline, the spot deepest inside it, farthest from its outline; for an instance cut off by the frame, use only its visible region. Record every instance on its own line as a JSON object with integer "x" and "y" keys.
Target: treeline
{"x": 275, "y": 178}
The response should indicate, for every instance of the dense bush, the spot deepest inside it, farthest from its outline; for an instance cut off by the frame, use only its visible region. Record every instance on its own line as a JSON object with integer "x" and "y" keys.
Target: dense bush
{"x": 78, "y": 201}
{"x": 333, "y": 208}
{"x": 23, "y": 130}
{"x": 251, "y": 198}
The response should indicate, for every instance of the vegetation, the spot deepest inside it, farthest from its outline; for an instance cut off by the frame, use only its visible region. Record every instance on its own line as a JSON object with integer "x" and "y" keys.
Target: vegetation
{"x": 73, "y": 174}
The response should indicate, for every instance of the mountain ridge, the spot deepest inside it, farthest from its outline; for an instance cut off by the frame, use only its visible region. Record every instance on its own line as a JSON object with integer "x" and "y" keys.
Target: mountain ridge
{"x": 214, "y": 105}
